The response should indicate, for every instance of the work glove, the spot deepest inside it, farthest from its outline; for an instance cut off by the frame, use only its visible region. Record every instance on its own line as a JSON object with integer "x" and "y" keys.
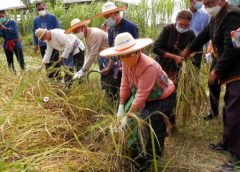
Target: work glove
{"x": 79, "y": 74}
{"x": 208, "y": 58}
{"x": 122, "y": 126}
{"x": 121, "y": 111}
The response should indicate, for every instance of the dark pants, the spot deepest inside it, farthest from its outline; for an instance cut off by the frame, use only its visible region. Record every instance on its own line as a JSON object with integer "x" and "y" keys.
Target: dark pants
{"x": 215, "y": 90}
{"x": 231, "y": 134}
{"x": 54, "y": 58}
{"x": 197, "y": 60}
{"x": 78, "y": 60}
{"x": 111, "y": 85}
{"x": 151, "y": 115}
{"x": 19, "y": 54}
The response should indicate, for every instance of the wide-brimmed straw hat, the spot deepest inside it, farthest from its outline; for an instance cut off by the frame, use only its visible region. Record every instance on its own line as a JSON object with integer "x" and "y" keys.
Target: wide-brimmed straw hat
{"x": 40, "y": 32}
{"x": 75, "y": 23}
{"x": 110, "y": 7}
{"x": 124, "y": 44}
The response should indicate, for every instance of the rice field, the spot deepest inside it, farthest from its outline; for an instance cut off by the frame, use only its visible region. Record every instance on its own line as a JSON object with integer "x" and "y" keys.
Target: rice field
{"x": 74, "y": 130}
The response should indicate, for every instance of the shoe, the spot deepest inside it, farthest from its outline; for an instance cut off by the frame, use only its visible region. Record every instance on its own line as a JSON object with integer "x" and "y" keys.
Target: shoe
{"x": 209, "y": 116}
{"x": 219, "y": 147}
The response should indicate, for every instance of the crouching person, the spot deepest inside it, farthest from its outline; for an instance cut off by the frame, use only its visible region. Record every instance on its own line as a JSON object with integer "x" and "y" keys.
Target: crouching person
{"x": 69, "y": 45}
{"x": 146, "y": 90}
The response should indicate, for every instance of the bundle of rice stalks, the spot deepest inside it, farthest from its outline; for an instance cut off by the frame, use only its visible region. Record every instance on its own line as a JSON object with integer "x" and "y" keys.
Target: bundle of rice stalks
{"x": 191, "y": 96}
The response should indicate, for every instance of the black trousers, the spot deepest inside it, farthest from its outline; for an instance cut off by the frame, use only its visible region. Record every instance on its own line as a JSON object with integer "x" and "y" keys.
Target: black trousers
{"x": 150, "y": 114}
{"x": 78, "y": 60}
{"x": 231, "y": 134}
{"x": 111, "y": 85}
{"x": 215, "y": 90}
{"x": 54, "y": 58}
{"x": 19, "y": 54}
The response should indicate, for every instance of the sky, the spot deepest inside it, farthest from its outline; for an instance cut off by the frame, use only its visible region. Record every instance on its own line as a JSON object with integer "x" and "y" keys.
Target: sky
{"x": 9, "y": 3}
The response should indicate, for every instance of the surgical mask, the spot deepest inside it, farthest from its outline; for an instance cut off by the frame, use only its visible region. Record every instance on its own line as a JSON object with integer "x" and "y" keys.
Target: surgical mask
{"x": 197, "y": 5}
{"x": 42, "y": 12}
{"x": 3, "y": 20}
{"x": 181, "y": 30}
{"x": 80, "y": 35}
{"x": 213, "y": 11}
{"x": 110, "y": 22}
{"x": 234, "y": 2}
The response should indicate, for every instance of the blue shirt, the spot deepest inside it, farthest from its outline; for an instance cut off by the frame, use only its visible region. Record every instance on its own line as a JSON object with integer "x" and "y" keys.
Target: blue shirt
{"x": 200, "y": 20}
{"x": 48, "y": 21}
{"x": 124, "y": 26}
{"x": 11, "y": 33}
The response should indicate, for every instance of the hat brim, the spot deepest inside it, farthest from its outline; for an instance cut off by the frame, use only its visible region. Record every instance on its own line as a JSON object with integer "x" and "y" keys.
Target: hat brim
{"x": 75, "y": 26}
{"x": 140, "y": 44}
{"x": 120, "y": 8}
{"x": 42, "y": 34}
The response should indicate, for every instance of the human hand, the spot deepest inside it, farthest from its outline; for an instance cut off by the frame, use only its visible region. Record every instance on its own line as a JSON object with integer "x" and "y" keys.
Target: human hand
{"x": 36, "y": 48}
{"x": 79, "y": 74}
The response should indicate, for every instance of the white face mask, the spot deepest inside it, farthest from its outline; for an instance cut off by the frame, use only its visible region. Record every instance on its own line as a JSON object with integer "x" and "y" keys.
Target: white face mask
{"x": 42, "y": 12}
{"x": 213, "y": 11}
{"x": 80, "y": 35}
{"x": 181, "y": 30}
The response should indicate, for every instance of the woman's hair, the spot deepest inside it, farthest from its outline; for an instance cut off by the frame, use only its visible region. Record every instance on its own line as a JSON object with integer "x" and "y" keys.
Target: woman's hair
{"x": 184, "y": 14}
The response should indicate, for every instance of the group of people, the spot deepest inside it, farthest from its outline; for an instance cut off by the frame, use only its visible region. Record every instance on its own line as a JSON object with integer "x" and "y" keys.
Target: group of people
{"x": 145, "y": 85}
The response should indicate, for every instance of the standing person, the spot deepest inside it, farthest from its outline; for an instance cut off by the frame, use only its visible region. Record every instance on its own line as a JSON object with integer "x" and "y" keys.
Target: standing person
{"x": 69, "y": 45}
{"x": 145, "y": 89}
{"x": 200, "y": 20}
{"x": 11, "y": 44}
{"x": 225, "y": 18}
{"x": 45, "y": 21}
{"x": 174, "y": 38}
{"x": 116, "y": 25}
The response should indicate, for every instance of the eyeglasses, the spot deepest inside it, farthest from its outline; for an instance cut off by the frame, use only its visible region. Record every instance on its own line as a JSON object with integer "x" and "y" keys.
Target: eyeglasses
{"x": 129, "y": 55}
{"x": 40, "y": 9}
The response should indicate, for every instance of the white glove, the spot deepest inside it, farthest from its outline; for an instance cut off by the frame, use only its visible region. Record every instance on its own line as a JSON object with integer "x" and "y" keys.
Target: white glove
{"x": 208, "y": 58}
{"x": 124, "y": 123}
{"x": 79, "y": 74}
{"x": 121, "y": 111}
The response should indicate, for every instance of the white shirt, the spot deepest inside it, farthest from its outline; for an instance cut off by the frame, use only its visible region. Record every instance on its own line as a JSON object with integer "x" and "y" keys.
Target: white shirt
{"x": 62, "y": 42}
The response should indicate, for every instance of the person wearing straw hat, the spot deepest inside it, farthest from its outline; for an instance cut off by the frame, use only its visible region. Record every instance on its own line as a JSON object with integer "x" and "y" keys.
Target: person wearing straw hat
{"x": 95, "y": 39}
{"x": 48, "y": 21}
{"x": 71, "y": 47}
{"x": 145, "y": 89}
{"x": 116, "y": 25}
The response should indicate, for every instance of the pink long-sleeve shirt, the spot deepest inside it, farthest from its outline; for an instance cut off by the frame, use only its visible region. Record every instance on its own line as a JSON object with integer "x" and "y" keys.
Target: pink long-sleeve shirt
{"x": 145, "y": 76}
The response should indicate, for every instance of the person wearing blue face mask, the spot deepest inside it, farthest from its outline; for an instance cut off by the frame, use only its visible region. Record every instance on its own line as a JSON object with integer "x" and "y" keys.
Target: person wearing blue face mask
{"x": 116, "y": 24}
{"x": 200, "y": 20}
{"x": 12, "y": 44}
{"x": 172, "y": 39}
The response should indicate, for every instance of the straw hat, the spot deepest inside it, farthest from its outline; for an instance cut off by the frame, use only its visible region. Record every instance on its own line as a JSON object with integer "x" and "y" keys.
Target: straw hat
{"x": 40, "y": 32}
{"x": 125, "y": 44}
{"x": 110, "y": 7}
{"x": 76, "y": 23}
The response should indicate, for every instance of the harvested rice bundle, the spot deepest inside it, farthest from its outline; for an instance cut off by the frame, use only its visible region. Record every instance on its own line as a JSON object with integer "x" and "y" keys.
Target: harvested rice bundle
{"x": 191, "y": 96}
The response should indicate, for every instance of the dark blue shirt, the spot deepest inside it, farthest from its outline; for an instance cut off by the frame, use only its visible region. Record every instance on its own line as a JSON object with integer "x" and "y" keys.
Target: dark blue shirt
{"x": 11, "y": 33}
{"x": 48, "y": 21}
{"x": 124, "y": 26}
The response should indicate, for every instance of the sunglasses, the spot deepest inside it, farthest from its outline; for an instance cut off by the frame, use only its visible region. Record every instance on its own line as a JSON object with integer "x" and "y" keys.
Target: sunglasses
{"x": 129, "y": 55}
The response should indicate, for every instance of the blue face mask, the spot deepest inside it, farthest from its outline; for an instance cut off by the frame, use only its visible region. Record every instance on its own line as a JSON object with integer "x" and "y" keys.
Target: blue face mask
{"x": 3, "y": 20}
{"x": 234, "y": 2}
{"x": 198, "y": 5}
{"x": 110, "y": 22}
